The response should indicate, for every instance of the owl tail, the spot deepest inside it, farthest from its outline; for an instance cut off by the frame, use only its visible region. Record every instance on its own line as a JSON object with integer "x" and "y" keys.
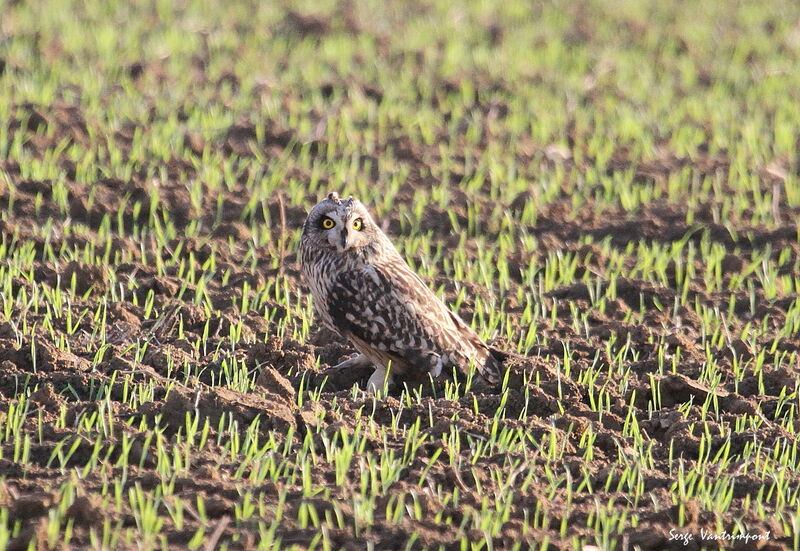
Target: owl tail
{"x": 493, "y": 368}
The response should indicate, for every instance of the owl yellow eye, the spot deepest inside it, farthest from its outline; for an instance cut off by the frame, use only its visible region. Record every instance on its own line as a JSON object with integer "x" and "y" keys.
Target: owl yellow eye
{"x": 358, "y": 224}
{"x": 328, "y": 223}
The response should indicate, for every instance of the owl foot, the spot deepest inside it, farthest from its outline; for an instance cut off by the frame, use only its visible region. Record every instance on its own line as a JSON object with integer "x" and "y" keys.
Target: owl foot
{"x": 356, "y": 361}
{"x": 379, "y": 381}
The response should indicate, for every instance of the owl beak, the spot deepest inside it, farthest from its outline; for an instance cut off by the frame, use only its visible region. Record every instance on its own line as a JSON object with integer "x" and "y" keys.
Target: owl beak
{"x": 342, "y": 244}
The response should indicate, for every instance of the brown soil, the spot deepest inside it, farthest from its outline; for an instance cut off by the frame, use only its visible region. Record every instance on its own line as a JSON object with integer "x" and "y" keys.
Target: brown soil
{"x": 282, "y": 364}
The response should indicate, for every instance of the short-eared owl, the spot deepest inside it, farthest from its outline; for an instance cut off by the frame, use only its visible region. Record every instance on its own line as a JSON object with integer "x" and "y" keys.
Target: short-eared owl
{"x": 362, "y": 289}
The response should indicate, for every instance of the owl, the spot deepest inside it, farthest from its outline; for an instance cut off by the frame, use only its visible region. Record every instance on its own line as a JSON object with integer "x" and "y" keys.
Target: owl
{"x": 362, "y": 289}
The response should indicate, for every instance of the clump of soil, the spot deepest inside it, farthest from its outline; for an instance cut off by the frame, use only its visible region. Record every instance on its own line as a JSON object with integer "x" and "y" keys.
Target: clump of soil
{"x": 273, "y": 409}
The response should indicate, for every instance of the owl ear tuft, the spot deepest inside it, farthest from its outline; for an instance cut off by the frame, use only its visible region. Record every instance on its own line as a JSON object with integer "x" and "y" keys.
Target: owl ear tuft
{"x": 333, "y": 196}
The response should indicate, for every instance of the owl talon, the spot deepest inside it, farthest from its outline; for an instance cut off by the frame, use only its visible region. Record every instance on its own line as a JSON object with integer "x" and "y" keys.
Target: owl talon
{"x": 356, "y": 361}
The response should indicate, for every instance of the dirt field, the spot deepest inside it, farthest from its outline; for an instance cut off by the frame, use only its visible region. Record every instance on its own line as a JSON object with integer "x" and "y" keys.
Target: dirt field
{"x": 670, "y": 407}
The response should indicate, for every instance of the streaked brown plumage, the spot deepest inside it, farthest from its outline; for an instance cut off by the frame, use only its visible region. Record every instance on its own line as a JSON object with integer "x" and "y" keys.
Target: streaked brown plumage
{"x": 363, "y": 289}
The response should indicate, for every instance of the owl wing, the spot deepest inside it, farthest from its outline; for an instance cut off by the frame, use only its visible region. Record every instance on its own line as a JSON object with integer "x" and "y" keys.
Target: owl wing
{"x": 390, "y": 309}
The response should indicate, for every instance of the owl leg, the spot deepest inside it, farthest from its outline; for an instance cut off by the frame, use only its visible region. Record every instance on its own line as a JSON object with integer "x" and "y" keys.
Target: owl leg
{"x": 356, "y": 361}
{"x": 377, "y": 380}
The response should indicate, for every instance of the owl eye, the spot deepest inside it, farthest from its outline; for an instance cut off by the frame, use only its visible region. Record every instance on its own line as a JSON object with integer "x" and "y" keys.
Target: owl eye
{"x": 358, "y": 224}
{"x": 327, "y": 223}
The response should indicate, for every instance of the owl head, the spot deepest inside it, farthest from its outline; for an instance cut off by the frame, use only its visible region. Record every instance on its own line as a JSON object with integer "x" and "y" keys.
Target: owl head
{"x": 341, "y": 224}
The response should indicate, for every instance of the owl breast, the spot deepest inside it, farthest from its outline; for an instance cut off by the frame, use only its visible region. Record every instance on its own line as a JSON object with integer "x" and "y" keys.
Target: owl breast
{"x": 320, "y": 270}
